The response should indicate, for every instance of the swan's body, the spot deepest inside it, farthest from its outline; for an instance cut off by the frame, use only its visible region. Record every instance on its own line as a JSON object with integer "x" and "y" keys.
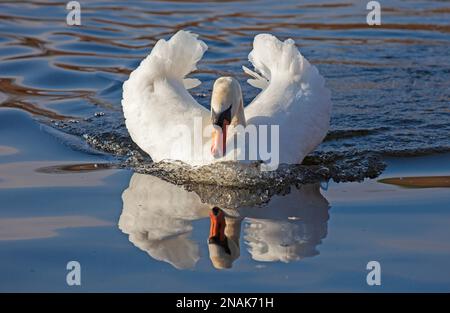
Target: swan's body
{"x": 160, "y": 112}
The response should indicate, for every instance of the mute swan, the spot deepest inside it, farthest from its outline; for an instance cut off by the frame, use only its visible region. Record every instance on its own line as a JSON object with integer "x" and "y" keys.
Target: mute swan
{"x": 164, "y": 119}
{"x": 158, "y": 218}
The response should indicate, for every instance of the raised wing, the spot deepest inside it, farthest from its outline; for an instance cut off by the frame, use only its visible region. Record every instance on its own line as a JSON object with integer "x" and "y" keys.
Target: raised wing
{"x": 155, "y": 97}
{"x": 293, "y": 96}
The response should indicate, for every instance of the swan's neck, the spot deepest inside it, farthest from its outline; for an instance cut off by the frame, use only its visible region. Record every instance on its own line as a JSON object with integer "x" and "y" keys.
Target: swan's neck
{"x": 238, "y": 116}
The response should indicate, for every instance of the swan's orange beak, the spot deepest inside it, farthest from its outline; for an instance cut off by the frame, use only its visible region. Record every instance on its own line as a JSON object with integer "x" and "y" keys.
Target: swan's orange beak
{"x": 217, "y": 226}
{"x": 219, "y": 140}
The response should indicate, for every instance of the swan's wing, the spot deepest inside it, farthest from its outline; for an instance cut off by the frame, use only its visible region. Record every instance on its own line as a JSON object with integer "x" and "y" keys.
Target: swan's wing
{"x": 293, "y": 96}
{"x": 156, "y": 102}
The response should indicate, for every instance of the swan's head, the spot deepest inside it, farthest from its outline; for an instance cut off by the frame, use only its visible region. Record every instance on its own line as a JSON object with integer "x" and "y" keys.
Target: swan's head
{"x": 226, "y": 109}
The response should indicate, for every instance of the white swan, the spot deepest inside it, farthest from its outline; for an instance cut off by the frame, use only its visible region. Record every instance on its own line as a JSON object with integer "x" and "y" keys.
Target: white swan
{"x": 163, "y": 118}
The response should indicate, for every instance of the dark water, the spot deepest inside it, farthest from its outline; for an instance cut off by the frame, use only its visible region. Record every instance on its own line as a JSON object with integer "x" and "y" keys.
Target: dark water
{"x": 389, "y": 83}
{"x": 60, "y": 93}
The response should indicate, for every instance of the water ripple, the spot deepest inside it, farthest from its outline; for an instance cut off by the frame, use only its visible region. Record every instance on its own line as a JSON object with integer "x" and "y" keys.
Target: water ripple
{"x": 389, "y": 83}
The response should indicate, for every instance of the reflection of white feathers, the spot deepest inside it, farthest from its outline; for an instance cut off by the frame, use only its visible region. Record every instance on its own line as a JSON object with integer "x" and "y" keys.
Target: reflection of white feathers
{"x": 157, "y": 216}
{"x": 289, "y": 228}
{"x": 159, "y": 111}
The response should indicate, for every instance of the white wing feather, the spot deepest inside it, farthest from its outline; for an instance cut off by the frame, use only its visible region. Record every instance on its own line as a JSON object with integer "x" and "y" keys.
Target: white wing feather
{"x": 295, "y": 97}
{"x": 155, "y": 97}
{"x": 258, "y": 81}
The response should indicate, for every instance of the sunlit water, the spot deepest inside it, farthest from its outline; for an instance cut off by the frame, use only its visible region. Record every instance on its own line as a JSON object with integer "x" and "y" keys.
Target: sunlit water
{"x": 390, "y": 91}
{"x": 389, "y": 83}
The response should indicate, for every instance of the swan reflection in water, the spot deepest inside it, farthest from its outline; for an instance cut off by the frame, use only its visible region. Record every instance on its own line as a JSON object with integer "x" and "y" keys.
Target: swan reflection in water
{"x": 158, "y": 217}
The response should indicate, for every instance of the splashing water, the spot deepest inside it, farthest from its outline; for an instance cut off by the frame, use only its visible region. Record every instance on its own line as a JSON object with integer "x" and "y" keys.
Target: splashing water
{"x": 389, "y": 83}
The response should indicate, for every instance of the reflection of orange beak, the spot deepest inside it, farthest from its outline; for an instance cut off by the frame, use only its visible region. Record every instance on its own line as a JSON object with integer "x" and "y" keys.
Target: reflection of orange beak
{"x": 217, "y": 228}
{"x": 217, "y": 144}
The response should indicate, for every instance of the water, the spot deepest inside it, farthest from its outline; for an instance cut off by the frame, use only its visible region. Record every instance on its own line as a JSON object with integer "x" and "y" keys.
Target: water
{"x": 389, "y": 83}
{"x": 390, "y": 92}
